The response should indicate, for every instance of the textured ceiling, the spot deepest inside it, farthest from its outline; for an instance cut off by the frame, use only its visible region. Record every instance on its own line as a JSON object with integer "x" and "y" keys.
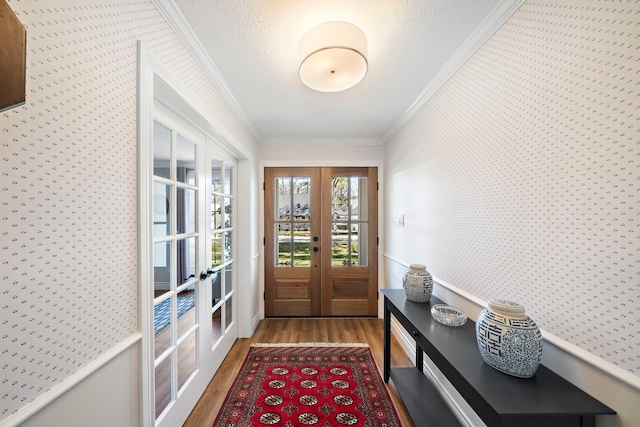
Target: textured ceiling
{"x": 254, "y": 45}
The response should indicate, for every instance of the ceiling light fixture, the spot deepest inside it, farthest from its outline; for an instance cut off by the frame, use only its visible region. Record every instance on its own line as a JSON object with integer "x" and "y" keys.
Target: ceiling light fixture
{"x": 333, "y": 57}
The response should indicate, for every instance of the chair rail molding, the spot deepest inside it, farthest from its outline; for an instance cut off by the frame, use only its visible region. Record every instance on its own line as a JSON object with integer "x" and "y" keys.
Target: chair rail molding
{"x": 565, "y": 346}
{"x": 55, "y": 392}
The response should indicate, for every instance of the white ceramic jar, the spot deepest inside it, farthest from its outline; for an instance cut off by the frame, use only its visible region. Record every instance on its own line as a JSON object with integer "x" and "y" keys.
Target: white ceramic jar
{"x": 508, "y": 339}
{"x": 417, "y": 283}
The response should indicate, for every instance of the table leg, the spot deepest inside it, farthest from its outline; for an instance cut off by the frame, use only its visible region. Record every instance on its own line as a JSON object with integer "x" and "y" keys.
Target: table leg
{"x": 387, "y": 342}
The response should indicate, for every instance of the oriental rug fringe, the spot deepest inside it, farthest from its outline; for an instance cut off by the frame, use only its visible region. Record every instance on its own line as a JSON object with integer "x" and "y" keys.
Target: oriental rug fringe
{"x": 314, "y": 384}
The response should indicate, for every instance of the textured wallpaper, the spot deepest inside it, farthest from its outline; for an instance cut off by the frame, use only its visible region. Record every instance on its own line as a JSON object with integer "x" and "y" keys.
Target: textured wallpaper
{"x": 524, "y": 175}
{"x": 68, "y": 192}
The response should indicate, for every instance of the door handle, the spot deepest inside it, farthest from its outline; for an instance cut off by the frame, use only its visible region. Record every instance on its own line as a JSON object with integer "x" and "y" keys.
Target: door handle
{"x": 205, "y": 274}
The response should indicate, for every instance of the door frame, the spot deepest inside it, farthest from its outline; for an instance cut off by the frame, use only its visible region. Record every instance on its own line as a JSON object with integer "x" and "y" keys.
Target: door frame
{"x": 378, "y": 163}
{"x": 155, "y": 81}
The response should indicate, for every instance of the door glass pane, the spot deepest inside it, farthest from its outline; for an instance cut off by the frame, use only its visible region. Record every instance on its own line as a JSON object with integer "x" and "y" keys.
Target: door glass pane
{"x": 161, "y": 151}
{"x": 228, "y": 279}
{"x": 301, "y": 245}
{"x": 163, "y": 385}
{"x": 283, "y": 245}
{"x": 186, "y": 212}
{"x": 227, "y": 246}
{"x": 186, "y": 359}
{"x": 227, "y": 212}
{"x": 301, "y": 200}
{"x": 216, "y": 287}
{"x": 340, "y": 247}
{"x": 162, "y": 327}
{"x": 216, "y": 175}
{"x": 216, "y": 324}
{"x": 186, "y": 260}
{"x": 216, "y": 212}
{"x": 359, "y": 244}
{"x": 186, "y": 305}
{"x": 185, "y": 161}
{"x": 340, "y": 199}
{"x": 228, "y": 312}
{"x": 227, "y": 179}
{"x": 161, "y": 268}
{"x": 161, "y": 209}
{"x": 358, "y": 198}
{"x": 216, "y": 249}
{"x": 283, "y": 199}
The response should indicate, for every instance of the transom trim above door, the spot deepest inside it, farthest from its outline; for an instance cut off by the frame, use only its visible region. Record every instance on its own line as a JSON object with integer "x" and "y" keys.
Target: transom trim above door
{"x": 321, "y": 228}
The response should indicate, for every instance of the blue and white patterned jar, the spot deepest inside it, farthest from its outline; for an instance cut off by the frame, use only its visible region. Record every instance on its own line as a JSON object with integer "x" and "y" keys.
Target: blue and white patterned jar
{"x": 417, "y": 283}
{"x": 508, "y": 339}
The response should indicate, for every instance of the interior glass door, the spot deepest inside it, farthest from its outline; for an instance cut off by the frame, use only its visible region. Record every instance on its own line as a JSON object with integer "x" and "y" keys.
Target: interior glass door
{"x": 187, "y": 254}
{"x": 176, "y": 252}
{"x": 220, "y": 280}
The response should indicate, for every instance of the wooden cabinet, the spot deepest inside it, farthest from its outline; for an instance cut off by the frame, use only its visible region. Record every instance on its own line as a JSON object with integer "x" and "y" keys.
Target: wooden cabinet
{"x": 498, "y": 399}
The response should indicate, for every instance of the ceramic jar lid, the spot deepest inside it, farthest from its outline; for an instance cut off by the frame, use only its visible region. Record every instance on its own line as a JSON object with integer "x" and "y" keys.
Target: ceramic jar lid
{"x": 507, "y": 308}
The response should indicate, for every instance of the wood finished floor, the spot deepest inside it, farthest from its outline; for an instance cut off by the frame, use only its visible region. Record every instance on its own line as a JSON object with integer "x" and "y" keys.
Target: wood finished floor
{"x": 350, "y": 330}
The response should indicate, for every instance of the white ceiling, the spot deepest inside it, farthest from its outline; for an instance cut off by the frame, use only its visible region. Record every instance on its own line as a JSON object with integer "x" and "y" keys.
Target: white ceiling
{"x": 412, "y": 44}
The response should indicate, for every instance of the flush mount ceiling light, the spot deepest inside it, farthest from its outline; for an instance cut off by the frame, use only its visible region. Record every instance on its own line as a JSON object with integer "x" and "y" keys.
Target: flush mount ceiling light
{"x": 333, "y": 57}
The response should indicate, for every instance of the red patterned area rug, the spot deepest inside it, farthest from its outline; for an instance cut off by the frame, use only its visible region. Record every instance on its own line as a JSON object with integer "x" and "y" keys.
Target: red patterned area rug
{"x": 311, "y": 385}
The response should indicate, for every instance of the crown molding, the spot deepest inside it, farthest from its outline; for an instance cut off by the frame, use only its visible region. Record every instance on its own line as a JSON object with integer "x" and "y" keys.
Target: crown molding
{"x": 322, "y": 141}
{"x": 172, "y": 14}
{"x": 498, "y": 16}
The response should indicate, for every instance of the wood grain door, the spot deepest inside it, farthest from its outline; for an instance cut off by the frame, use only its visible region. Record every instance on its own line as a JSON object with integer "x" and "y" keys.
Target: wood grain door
{"x": 350, "y": 233}
{"x": 321, "y": 242}
{"x": 292, "y": 242}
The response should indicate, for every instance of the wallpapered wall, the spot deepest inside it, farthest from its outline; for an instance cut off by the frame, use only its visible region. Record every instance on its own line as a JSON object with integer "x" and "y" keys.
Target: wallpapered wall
{"x": 68, "y": 249}
{"x": 524, "y": 174}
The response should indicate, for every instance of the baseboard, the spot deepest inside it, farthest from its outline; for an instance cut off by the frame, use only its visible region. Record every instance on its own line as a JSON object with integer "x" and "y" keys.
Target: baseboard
{"x": 256, "y": 320}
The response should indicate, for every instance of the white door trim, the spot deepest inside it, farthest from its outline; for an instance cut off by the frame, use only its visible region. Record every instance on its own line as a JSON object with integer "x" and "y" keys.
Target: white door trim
{"x": 155, "y": 82}
{"x": 262, "y": 164}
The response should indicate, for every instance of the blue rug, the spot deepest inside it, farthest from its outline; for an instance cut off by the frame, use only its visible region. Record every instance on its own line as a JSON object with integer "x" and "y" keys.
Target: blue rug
{"x": 162, "y": 311}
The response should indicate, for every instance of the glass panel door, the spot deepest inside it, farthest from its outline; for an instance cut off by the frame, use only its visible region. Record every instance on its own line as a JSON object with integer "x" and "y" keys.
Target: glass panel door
{"x": 175, "y": 255}
{"x": 349, "y": 269}
{"x": 187, "y": 257}
{"x": 221, "y": 306}
{"x": 292, "y": 234}
{"x": 220, "y": 284}
{"x": 303, "y": 208}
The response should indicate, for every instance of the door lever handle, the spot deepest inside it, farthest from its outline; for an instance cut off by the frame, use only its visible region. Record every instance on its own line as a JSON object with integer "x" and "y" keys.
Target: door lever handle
{"x": 205, "y": 274}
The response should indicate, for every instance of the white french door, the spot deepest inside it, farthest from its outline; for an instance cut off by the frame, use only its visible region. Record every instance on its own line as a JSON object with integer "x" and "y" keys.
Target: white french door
{"x": 192, "y": 257}
{"x": 219, "y": 275}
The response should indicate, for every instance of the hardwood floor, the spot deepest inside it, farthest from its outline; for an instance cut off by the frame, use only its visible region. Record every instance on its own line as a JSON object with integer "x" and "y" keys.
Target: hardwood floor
{"x": 349, "y": 330}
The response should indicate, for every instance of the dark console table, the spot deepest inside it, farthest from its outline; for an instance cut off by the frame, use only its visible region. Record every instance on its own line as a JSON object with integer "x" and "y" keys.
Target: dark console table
{"x": 499, "y": 399}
